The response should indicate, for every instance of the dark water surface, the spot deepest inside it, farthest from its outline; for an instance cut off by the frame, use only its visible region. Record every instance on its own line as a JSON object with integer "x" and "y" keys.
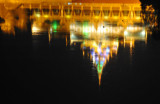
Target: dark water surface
{"x": 51, "y": 66}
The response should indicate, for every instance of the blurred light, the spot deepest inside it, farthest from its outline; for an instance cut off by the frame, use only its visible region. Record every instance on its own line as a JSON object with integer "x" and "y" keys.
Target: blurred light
{"x": 69, "y": 3}
{"x": 68, "y": 16}
{"x": 86, "y": 29}
{"x": 143, "y": 33}
{"x": 104, "y": 59}
{"x": 46, "y": 16}
{"x": 38, "y": 15}
{"x": 93, "y": 53}
{"x": 92, "y": 29}
{"x": 138, "y": 17}
{"x": 94, "y": 44}
{"x": 130, "y": 28}
{"x": 101, "y": 63}
{"x": 115, "y": 43}
{"x": 125, "y": 33}
{"x": 96, "y": 17}
{"x": 115, "y": 17}
{"x": 50, "y": 29}
{"x": 107, "y": 50}
{"x": 55, "y": 25}
{"x": 73, "y": 36}
{"x": 99, "y": 50}
{"x": 106, "y": 17}
{"x": 97, "y": 58}
{"x": 35, "y": 29}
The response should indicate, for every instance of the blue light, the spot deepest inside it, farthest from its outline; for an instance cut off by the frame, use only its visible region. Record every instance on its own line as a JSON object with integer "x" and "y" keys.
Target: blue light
{"x": 107, "y": 50}
{"x": 102, "y": 62}
{"x": 96, "y": 62}
{"x": 97, "y": 58}
{"x": 107, "y": 54}
{"x": 93, "y": 53}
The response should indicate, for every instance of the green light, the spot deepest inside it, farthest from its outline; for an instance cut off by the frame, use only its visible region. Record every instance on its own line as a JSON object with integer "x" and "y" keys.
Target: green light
{"x": 99, "y": 68}
{"x": 85, "y": 29}
{"x": 55, "y": 26}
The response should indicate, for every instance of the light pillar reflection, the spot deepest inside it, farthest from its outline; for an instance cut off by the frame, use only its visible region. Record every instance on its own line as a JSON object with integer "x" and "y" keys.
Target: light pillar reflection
{"x": 103, "y": 47}
{"x": 99, "y": 51}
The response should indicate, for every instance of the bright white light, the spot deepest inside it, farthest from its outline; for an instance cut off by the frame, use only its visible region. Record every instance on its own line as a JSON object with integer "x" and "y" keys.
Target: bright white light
{"x": 143, "y": 33}
{"x": 93, "y": 29}
{"x": 107, "y": 50}
{"x": 130, "y": 28}
{"x": 99, "y": 50}
{"x": 69, "y": 3}
{"x": 125, "y": 33}
{"x": 50, "y": 29}
{"x": 35, "y": 29}
{"x": 90, "y": 28}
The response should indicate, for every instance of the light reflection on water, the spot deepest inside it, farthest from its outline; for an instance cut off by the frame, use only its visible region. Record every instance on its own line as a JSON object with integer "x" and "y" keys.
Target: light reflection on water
{"x": 101, "y": 45}
{"x": 99, "y": 41}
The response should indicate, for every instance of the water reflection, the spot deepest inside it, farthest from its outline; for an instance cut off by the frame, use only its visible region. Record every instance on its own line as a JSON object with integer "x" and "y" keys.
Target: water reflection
{"x": 101, "y": 45}
{"x": 99, "y": 40}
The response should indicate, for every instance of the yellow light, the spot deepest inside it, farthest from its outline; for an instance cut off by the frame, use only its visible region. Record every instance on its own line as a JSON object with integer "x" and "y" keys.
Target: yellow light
{"x": 115, "y": 17}
{"x": 46, "y": 16}
{"x": 96, "y": 17}
{"x": 115, "y": 43}
{"x": 94, "y": 44}
{"x": 125, "y": 17}
{"x": 138, "y": 17}
{"x": 38, "y": 15}
{"x": 35, "y": 29}
{"x": 106, "y": 17}
{"x": 68, "y": 16}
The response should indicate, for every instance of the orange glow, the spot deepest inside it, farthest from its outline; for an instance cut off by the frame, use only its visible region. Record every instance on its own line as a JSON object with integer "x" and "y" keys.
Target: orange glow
{"x": 107, "y": 1}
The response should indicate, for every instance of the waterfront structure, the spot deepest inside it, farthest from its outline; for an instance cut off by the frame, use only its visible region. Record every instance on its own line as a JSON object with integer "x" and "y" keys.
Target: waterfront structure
{"x": 119, "y": 12}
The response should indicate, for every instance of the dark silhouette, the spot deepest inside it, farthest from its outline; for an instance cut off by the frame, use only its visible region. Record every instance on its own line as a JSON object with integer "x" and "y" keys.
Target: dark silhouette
{"x": 155, "y": 4}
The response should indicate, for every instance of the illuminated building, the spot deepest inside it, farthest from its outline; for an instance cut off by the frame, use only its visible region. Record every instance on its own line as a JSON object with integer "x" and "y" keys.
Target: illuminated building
{"x": 120, "y": 12}
{"x": 93, "y": 22}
